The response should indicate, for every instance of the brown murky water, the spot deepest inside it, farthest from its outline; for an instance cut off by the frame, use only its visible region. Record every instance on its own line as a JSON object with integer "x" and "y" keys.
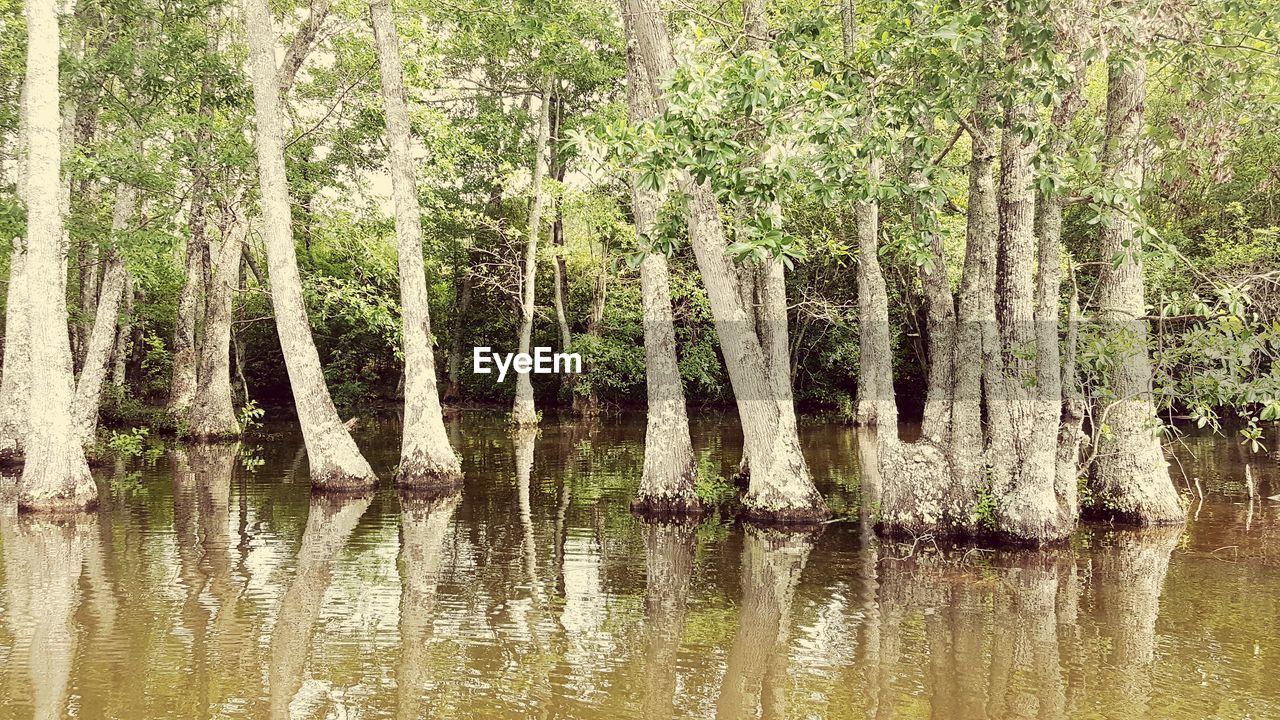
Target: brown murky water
{"x": 203, "y": 589}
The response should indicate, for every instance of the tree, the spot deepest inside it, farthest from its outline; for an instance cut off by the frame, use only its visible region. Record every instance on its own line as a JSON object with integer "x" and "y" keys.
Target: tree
{"x": 780, "y": 488}
{"x": 522, "y": 412}
{"x": 335, "y": 461}
{"x": 667, "y": 483}
{"x": 55, "y": 476}
{"x": 426, "y": 458}
{"x": 1130, "y": 478}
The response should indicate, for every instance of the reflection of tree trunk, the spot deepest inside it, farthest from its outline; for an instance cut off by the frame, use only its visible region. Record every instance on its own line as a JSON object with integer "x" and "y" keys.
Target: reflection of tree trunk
{"x": 213, "y": 467}
{"x": 669, "y": 551}
{"x": 772, "y": 561}
{"x": 191, "y": 578}
{"x": 42, "y": 559}
{"x": 330, "y": 521}
{"x": 1127, "y": 580}
{"x": 424, "y": 523}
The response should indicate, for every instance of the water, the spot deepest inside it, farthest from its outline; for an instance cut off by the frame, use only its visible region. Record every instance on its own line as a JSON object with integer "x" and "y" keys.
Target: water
{"x": 205, "y": 590}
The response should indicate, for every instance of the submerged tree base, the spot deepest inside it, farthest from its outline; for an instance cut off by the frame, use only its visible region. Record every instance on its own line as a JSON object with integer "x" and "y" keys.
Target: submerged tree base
{"x": 792, "y": 516}
{"x": 80, "y": 500}
{"x": 340, "y": 483}
{"x": 427, "y": 478}
{"x": 664, "y": 507}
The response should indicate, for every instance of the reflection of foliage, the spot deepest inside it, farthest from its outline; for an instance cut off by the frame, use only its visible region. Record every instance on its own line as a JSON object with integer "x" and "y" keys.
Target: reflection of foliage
{"x": 250, "y": 457}
{"x": 128, "y": 485}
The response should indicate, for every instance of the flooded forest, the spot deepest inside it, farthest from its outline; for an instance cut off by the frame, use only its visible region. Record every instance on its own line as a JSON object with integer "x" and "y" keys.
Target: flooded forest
{"x": 640, "y": 359}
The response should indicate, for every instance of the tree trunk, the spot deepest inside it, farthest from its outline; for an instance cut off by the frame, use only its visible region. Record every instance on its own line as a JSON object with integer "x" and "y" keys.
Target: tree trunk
{"x": 120, "y": 350}
{"x": 454, "y": 388}
{"x": 103, "y": 338}
{"x": 15, "y": 380}
{"x": 1130, "y": 479}
{"x": 426, "y": 458}
{"x": 781, "y": 488}
{"x": 55, "y": 476}
{"x": 182, "y": 387}
{"x": 1023, "y": 459}
{"x": 522, "y": 412}
{"x": 336, "y": 462}
{"x": 213, "y": 415}
{"x": 301, "y": 44}
{"x": 667, "y": 485}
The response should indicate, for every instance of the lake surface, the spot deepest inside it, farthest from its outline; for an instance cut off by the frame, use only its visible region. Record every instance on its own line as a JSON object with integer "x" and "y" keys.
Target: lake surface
{"x": 212, "y": 585}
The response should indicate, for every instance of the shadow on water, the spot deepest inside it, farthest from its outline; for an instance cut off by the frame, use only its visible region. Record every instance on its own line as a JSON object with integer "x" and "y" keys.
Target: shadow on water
{"x": 212, "y": 587}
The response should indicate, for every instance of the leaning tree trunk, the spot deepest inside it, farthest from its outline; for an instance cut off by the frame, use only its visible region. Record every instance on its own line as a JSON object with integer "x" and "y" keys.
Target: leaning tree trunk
{"x": 522, "y": 412}
{"x": 1130, "y": 479}
{"x": 667, "y": 485}
{"x": 781, "y": 487}
{"x": 427, "y": 459}
{"x": 103, "y": 337}
{"x": 213, "y": 414}
{"x": 336, "y": 462}
{"x": 55, "y": 476}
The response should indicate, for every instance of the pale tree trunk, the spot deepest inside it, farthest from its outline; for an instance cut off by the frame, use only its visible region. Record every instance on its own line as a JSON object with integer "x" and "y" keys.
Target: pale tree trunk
{"x": 43, "y": 559}
{"x": 120, "y": 351}
{"x": 298, "y": 48}
{"x": 1130, "y": 479}
{"x": 335, "y": 461}
{"x": 87, "y": 260}
{"x": 16, "y": 378}
{"x": 667, "y": 485}
{"x": 213, "y": 414}
{"x": 426, "y": 457}
{"x": 781, "y": 487}
{"x": 15, "y": 382}
{"x": 772, "y": 561}
{"x": 1062, "y": 399}
{"x": 454, "y": 387}
{"x": 182, "y": 386}
{"x": 522, "y": 412}
{"x": 424, "y": 527}
{"x": 330, "y": 521}
{"x": 1023, "y": 460}
{"x": 975, "y": 306}
{"x": 669, "y": 554}
{"x": 877, "y": 401}
{"x": 103, "y": 337}
{"x": 940, "y": 324}
{"x": 55, "y": 476}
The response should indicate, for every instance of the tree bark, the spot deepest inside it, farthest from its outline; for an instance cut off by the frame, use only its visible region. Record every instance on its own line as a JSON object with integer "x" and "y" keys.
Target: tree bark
{"x": 1130, "y": 480}
{"x": 103, "y": 338}
{"x": 182, "y": 386}
{"x": 523, "y": 412}
{"x": 301, "y": 44}
{"x": 120, "y": 349}
{"x": 667, "y": 485}
{"x": 336, "y": 462}
{"x": 213, "y": 415}
{"x": 55, "y": 476}
{"x": 15, "y": 380}
{"x": 426, "y": 457}
{"x": 781, "y": 488}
